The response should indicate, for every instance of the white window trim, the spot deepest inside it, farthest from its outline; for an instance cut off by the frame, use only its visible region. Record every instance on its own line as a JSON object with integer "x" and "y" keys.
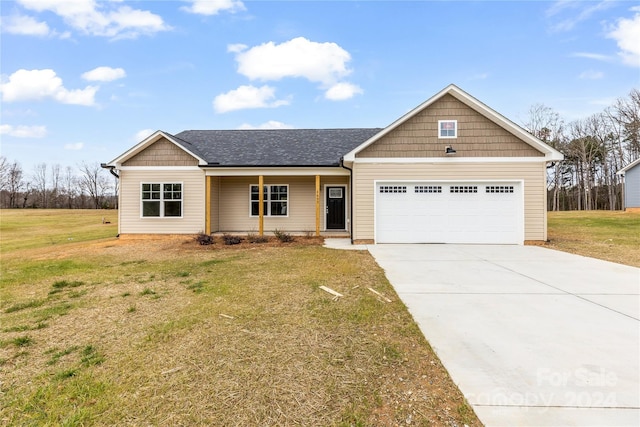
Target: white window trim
{"x": 162, "y": 200}
{"x": 455, "y": 129}
{"x": 268, "y": 200}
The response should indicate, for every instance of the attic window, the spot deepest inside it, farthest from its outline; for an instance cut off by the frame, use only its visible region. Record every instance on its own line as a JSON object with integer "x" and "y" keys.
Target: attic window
{"x": 447, "y": 128}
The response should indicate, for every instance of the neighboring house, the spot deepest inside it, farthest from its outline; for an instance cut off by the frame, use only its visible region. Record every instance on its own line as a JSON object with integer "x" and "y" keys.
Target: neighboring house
{"x": 451, "y": 170}
{"x": 631, "y": 174}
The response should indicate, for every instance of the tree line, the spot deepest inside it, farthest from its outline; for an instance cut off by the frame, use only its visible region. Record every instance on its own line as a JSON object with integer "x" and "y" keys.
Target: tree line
{"x": 595, "y": 149}
{"x": 88, "y": 186}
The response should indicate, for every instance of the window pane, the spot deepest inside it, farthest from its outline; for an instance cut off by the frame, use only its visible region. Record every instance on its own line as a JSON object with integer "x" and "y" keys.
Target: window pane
{"x": 177, "y": 187}
{"x": 146, "y": 187}
{"x": 150, "y": 208}
{"x": 146, "y": 196}
{"x": 278, "y": 208}
{"x": 254, "y": 209}
{"x": 155, "y": 195}
{"x": 167, "y": 187}
{"x": 168, "y": 195}
{"x": 172, "y": 208}
{"x": 155, "y": 187}
{"x": 177, "y": 196}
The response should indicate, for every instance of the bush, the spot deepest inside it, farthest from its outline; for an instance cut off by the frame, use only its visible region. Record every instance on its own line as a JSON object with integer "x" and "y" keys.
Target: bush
{"x": 283, "y": 236}
{"x": 255, "y": 238}
{"x": 205, "y": 239}
{"x": 231, "y": 240}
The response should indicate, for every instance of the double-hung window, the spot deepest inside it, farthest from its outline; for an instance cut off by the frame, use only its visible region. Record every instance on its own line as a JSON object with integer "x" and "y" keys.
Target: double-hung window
{"x": 275, "y": 200}
{"x": 447, "y": 128}
{"x": 161, "y": 200}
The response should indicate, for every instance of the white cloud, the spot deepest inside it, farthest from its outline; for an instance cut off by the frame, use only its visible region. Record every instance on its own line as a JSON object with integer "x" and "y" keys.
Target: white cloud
{"x": 34, "y": 85}
{"x": 108, "y": 19}
{"x": 213, "y": 7}
{"x": 577, "y": 9}
{"x": 591, "y": 75}
{"x": 24, "y": 25}
{"x": 247, "y": 97}
{"x": 104, "y": 74}
{"x": 271, "y": 124}
{"x": 627, "y": 34}
{"x": 23, "y": 131}
{"x": 75, "y": 146}
{"x": 342, "y": 91}
{"x": 317, "y": 62}
{"x": 596, "y": 56}
{"x": 141, "y": 135}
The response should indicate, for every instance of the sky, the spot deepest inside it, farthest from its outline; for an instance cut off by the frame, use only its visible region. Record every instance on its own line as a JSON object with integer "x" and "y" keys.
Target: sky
{"x": 85, "y": 80}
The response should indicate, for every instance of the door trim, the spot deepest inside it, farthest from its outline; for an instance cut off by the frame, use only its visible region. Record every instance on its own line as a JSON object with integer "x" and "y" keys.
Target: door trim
{"x": 324, "y": 207}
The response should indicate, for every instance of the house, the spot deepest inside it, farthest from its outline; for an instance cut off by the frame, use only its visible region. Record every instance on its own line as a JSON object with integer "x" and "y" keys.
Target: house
{"x": 631, "y": 174}
{"x": 451, "y": 170}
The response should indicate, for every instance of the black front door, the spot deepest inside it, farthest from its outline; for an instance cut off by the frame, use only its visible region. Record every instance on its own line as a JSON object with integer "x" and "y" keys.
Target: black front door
{"x": 336, "y": 208}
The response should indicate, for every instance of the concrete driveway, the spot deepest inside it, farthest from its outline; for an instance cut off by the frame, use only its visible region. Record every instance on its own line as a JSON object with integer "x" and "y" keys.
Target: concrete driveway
{"x": 532, "y": 336}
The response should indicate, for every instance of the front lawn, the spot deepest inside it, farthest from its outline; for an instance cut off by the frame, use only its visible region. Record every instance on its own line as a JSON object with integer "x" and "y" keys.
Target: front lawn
{"x": 100, "y": 331}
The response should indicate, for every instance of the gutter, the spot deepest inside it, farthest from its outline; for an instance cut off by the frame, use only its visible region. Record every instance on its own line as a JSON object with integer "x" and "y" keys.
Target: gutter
{"x": 111, "y": 168}
{"x": 350, "y": 197}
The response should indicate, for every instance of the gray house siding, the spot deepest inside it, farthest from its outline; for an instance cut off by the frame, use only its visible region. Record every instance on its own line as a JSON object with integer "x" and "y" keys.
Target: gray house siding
{"x": 632, "y": 188}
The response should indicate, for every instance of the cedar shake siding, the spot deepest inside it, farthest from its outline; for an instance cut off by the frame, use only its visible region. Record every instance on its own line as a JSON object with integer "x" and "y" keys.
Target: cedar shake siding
{"x": 532, "y": 174}
{"x": 162, "y": 153}
{"x": 477, "y": 135}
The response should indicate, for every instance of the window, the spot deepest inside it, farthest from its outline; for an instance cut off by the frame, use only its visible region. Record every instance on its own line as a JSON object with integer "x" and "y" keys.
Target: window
{"x": 275, "y": 200}
{"x": 447, "y": 128}
{"x": 499, "y": 189}
{"x": 161, "y": 200}
{"x": 428, "y": 189}
{"x": 393, "y": 188}
{"x": 463, "y": 189}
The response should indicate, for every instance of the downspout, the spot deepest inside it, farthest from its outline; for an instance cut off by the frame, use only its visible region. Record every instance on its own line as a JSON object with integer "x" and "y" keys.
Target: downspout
{"x": 111, "y": 168}
{"x": 350, "y": 197}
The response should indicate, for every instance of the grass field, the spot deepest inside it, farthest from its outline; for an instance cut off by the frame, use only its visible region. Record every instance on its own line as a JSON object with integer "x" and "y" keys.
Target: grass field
{"x": 608, "y": 235}
{"x": 96, "y": 330}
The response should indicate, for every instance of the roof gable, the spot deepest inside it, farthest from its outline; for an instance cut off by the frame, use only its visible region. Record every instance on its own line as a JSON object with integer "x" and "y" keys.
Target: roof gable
{"x": 159, "y": 135}
{"x": 629, "y": 167}
{"x": 502, "y": 122}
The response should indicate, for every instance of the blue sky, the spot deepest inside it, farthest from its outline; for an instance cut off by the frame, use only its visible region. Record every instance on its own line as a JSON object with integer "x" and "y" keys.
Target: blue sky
{"x": 85, "y": 80}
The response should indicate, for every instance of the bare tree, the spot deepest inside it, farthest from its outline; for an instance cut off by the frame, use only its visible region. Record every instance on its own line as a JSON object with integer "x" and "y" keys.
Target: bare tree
{"x": 94, "y": 183}
{"x": 55, "y": 186}
{"x": 40, "y": 183}
{"x": 69, "y": 186}
{"x": 15, "y": 184}
{"x": 546, "y": 124}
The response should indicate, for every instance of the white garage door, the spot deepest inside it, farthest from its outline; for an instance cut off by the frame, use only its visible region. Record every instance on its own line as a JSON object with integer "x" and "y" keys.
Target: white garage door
{"x": 449, "y": 212}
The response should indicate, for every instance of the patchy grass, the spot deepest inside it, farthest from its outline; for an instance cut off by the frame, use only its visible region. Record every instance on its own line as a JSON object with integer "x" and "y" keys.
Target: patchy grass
{"x": 32, "y": 228}
{"x": 608, "y": 235}
{"x": 243, "y": 335}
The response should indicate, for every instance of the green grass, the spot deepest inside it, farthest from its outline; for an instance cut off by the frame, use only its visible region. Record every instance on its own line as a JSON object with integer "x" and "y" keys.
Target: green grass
{"x": 108, "y": 332}
{"x": 33, "y": 228}
{"x": 608, "y": 235}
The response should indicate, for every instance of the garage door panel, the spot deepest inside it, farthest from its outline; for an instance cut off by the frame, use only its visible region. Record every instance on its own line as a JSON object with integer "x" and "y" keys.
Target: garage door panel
{"x": 446, "y": 212}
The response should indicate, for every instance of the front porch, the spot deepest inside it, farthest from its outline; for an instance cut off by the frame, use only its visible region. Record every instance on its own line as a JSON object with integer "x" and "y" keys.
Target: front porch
{"x": 299, "y": 201}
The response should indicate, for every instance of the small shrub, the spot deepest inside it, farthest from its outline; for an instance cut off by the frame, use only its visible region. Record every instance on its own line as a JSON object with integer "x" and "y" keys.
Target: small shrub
{"x": 283, "y": 236}
{"x": 205, "y": 239}
{"x": 255, "y": 238}
{"x": 231, "y": 240}
{"x": 148, "y": 291}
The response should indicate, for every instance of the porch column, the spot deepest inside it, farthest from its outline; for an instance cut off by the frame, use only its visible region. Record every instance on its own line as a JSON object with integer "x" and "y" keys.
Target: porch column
{"x": 260, "y": 205}
{"x": 317, "y": 205}
{"x": 207, "y": 207}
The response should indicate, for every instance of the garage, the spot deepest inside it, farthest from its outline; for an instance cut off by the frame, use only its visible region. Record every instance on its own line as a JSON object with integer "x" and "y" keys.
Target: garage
{"x": 474, "y": 212}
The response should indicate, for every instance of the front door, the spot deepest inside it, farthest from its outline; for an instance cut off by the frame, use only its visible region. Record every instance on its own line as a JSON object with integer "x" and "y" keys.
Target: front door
{"x": 336, "y": 208}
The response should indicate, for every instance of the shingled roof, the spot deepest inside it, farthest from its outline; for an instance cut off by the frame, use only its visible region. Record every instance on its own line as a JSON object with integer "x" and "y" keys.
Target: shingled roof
{"x": 273, "y": 147}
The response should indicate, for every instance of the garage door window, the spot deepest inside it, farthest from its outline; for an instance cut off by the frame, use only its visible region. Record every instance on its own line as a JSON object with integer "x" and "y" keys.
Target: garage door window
{"x": 393, "y": 188}
{"x": 428, "y": 189}
{"x": 499, "y": 189}
{"x": 463, "y": 189}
